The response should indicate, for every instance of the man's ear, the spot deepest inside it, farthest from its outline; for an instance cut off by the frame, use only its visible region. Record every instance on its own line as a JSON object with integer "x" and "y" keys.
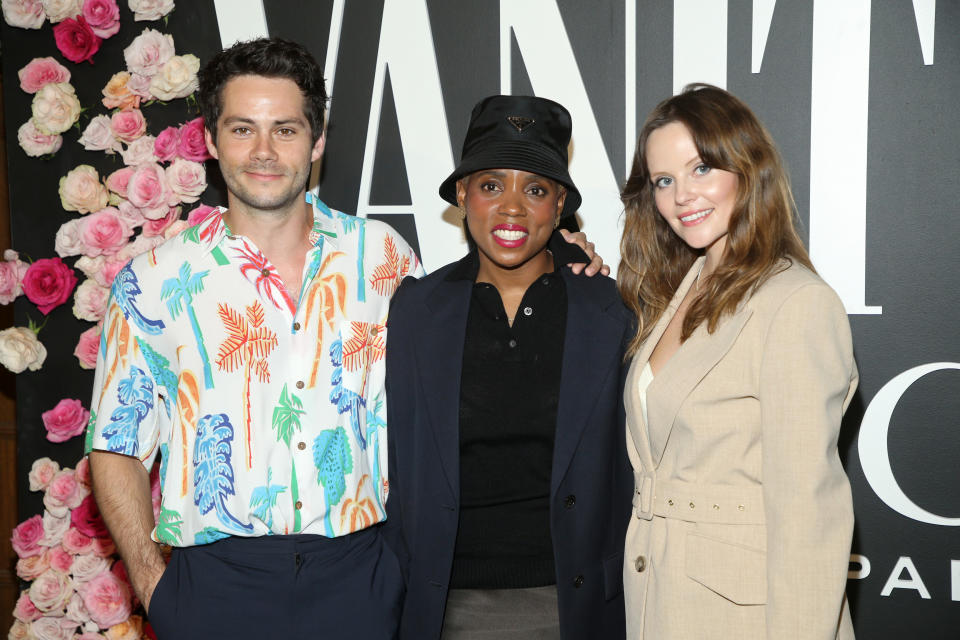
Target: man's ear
{"x": 211, "y": 144}
{"x": 318, "y": 148}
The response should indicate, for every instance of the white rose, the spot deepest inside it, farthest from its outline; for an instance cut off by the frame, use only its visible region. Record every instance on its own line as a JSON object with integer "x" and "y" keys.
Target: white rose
{"x": 90, "y": 301}
{"x": 76, "y": 610}
{"x": 51, "y": 590}
{"x": 52, "y": 628}
{"x": 139, "y": 152}
{"x": 147, "y": 53}
{"x": 150, "y": 9}
{"x": 69, "y": 241}
{"x": 42, "y": 472}
{"x": 177, "y": 78}
{"x": 58, "y": 10}
{"x": 130, "y": 214}
{"x": 20, "y": 350}
{"x": 187, "y": 179}
{"x": 36, "y": 143}
{"x": 87, "y": 566}
{"x": 25, "y": 14}
{"x": 90, "y": 266}
{"x": 55, "y": 107}
{"x": 98, "y": 136}
{"x": 54, "y": 528}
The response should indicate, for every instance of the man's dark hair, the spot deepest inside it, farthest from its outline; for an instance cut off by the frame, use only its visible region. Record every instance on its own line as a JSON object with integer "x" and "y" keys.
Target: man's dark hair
{"x": 269, "y": 57}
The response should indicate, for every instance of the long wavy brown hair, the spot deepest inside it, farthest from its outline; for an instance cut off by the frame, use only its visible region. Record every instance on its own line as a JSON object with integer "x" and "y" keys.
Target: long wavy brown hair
{"x": 761, "y": 238}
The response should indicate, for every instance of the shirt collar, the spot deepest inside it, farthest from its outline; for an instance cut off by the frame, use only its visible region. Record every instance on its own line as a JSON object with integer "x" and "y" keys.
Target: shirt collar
{"x": 564, "y": 253}
{"x": 212, "y": 230}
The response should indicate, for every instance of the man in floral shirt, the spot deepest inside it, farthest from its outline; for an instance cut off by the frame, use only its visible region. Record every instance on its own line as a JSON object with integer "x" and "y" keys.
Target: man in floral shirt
{"x": 248, "y": 351}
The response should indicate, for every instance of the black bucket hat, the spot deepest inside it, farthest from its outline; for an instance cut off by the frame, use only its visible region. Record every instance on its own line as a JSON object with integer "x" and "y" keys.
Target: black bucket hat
{"x": 526, "y": 133}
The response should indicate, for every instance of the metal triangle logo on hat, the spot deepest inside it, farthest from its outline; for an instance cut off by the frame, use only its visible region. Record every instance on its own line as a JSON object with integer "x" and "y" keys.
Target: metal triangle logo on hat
{"x": 520, "y": 122}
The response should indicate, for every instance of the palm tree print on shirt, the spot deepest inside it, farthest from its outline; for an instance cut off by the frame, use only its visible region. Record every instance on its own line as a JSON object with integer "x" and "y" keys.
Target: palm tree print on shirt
{"x": 334, "y": 461}
{"x": 213, "y": 471}
{"x": 179, "y": 292}
{"x": 328, "y": 293}
{"x": 248, "y": 344}
{"x": 286, "y": 420}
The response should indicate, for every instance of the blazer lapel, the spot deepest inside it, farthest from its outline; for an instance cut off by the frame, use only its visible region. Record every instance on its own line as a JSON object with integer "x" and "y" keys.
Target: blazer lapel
{"x": 592, "y": 336}
{"x": 440, "y": 359}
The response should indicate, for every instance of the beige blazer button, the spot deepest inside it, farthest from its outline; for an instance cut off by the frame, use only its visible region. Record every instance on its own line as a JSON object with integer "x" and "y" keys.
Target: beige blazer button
{"x": 640, "y": 564}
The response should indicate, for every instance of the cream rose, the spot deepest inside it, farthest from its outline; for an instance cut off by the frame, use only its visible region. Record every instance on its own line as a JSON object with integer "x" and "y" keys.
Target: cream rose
{"x": 90, "y": 301}
{"x": 54, "y": 529}
{"x": 20, "y": 350}
{"x": 35, "y": 143}
{"x": 33, "y": 567}
{"x": 24, "y": 14}
{"x": 150, "y": 9}
{"x": 88, "y": 566}
{"x": 148, "y": 53}
{"x": 52, "y": 628}
{"x": 58, "y": 10}
{"x": 139, "y": 152}
{"x": 51, "y": 590}
{"x": 117, "y": 95}
{"x": 69, "y": 241}
{"x": 41, "y": 473}
{"x": 76, "y": 610}
{"x": 82, "y": 191}
{"x": 55, "y": 108}
{"x": 187, "y": 179}
{"x": 99, "y": 136}
{"x": 177, "y": 78}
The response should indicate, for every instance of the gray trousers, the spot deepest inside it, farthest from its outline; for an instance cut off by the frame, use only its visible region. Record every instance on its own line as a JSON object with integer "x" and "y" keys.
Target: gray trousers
{"x": 502, "y": 614}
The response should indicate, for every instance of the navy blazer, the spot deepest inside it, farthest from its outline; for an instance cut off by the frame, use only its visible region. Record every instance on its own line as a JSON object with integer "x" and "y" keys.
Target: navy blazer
{"x": 591, "y": 480}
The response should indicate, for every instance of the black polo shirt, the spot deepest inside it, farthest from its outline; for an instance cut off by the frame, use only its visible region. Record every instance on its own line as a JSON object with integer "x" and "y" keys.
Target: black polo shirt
{"x": 509, "y": 392}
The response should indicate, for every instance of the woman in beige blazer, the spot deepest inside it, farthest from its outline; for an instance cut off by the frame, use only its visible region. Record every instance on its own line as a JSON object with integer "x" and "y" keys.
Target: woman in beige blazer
{"x": 742, "y": 369}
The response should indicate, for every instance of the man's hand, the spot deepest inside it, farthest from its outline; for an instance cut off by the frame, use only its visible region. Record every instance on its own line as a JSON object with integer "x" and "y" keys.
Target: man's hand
{"x": 596, "y": 261}
{"x": 121, "y": 487}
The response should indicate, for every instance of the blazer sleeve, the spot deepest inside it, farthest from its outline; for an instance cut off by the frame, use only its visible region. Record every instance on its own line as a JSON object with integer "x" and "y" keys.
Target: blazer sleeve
{"x": 807, "y": 378}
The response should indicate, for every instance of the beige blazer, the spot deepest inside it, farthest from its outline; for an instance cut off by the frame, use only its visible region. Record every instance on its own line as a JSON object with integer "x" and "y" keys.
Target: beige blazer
{"x": 742, "y": 518}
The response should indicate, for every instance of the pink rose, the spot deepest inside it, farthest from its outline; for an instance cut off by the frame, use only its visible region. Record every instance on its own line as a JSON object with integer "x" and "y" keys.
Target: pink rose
{"x": 33, "y": 567}
{"x": 98, "y": 136}
{"x": 159, "y": 226}
{"x": 187, "y": 179}
{"x": 107, "y": 599}
{"x": 77, "y": 611}
{"x": 12, "y": 270}
{"x": 63, "y": 494}
{"x": 104, "y": 547}
{"x": 118, "y": 180}
{"x": 82, "y": 191}
{"x": 108, "y": 272}
{"x": 149, "y": 191}
{"x": 48, "y": 283}
{"x": 68, "y": 241}
{"x": 139, "y": 86}
{"x": 104, "y": 232}
{"x": 55, "y": 107}
{"x": 24, "y": 14}
{"x": 60, "y": 559}
{"x": 130, "y": 214}
{"x": 88, "y": 345}
{"x": 66, "y": 420}
{"x": 117, "y": 93}
{"x": 26, "y": 611}
{"x": 58, "y": 10}
{"x": 128, "y": 124}
{"x": 41, "y": 71}
{"x": 199, "y": 213}
{"x": 165, "y": 146}
{"x": 83, "y": 471}
{"x": 76, "y": 40}
{"x": 77, "y": 543}
{"x": 26, "y": 537}
{"x": 50, "y": 591}
{"x": 88, "y": 566}
{"x": 139, "y": 152}
{"x": 193, "y": 146}
{"x": 103, "y": 16}
{"x": 36, "y": 143}
{"x": 41, "y": 473}
{"x": 148, "y": 53}
{"x": 55, "y": 527}
{"x": 52, "y": 628}
{"x": 150, "y": 9}
{"x": 86, "y": 519}
{"x": 90, "y": 302}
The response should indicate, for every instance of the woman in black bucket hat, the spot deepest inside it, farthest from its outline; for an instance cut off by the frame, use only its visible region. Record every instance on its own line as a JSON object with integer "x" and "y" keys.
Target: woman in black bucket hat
{"x": 509, "y": 481}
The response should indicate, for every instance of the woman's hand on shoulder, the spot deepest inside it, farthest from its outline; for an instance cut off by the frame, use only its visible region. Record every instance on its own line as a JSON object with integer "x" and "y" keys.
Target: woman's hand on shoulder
{"x": 596, "y": 265}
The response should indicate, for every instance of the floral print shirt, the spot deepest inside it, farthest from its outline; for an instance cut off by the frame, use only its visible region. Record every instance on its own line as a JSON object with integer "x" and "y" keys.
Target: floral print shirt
{"x": 269, "y": 413}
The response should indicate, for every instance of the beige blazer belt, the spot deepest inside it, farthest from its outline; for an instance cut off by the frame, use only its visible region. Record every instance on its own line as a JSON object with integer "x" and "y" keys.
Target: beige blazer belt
{"x": 714, "y": 503}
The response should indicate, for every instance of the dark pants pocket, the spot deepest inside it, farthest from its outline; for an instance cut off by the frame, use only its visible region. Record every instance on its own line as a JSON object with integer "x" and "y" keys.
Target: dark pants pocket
{"x": 163, "y": 609}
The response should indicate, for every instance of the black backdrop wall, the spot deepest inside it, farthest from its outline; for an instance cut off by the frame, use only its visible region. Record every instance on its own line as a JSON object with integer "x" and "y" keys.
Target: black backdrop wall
{"x": 860, "y": 96}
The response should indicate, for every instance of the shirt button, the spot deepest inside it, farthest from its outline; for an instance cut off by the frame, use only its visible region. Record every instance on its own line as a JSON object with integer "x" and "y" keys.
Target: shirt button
{"x": 578, "y": 582}
{"x": 640, "y": 564}
{"x": 301, "y": 445}
{"x": 512, "y": 344}
{"x": 298, "y": 505}
{"x": 528, "y": 311}
{"x": 569, "y": 501}
{"x": 296, "y": 326}
{"x": 374, "y": 331}
{"x": 265, "y": 272}
{"x": 299, "y": 384}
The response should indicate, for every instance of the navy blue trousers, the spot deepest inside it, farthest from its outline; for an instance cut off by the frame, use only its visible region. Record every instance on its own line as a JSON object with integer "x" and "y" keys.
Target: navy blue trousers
{"x": 300, "y": 586}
